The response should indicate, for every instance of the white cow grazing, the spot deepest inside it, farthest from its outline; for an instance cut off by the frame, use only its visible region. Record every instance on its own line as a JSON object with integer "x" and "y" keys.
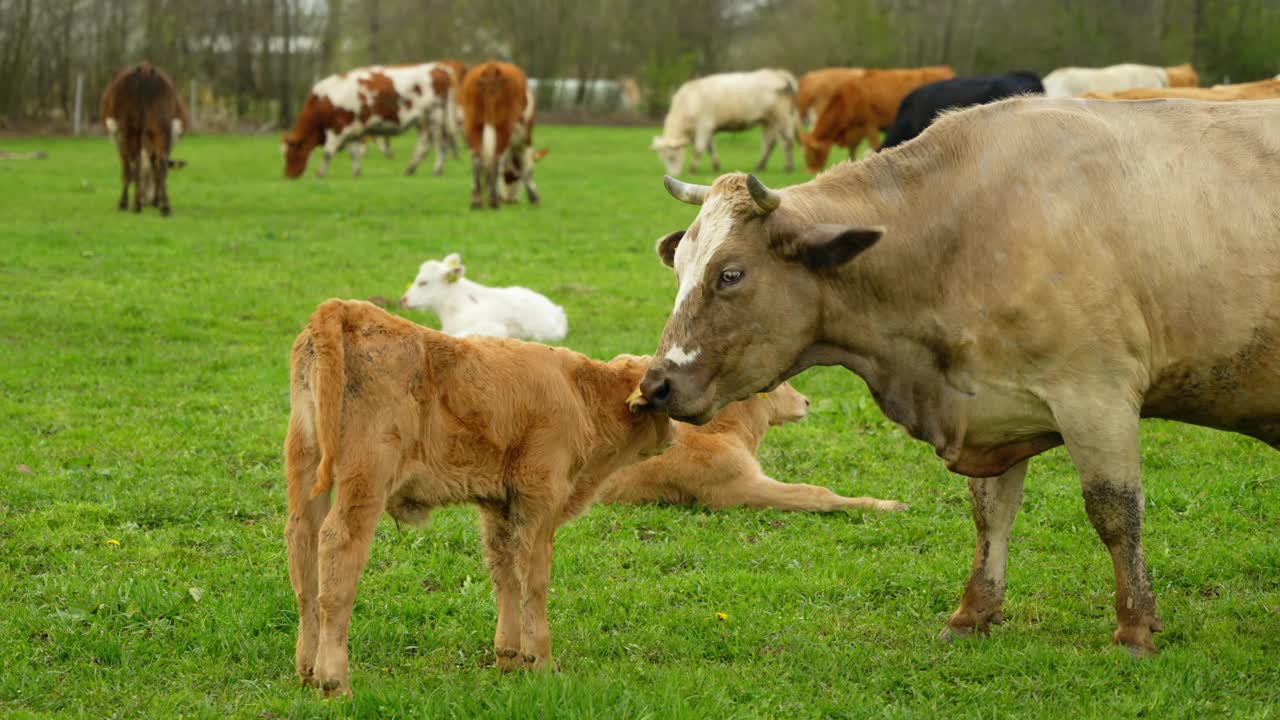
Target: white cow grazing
{"x": 728, "y": 101}
{"x": 469, "y": 308}
{"x": 1072, "y": 81}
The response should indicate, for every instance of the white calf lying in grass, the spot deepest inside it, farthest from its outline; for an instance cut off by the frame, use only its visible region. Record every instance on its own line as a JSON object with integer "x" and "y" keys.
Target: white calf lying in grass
{"x": 469, "y": 308}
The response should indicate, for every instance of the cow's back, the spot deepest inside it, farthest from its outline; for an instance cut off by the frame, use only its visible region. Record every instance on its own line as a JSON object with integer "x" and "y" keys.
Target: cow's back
{"x": 1148, "y": 229}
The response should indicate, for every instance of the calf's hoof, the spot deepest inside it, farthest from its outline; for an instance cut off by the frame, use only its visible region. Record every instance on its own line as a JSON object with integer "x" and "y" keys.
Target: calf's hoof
{"x": 890, "y": 506}
{"x": 336, "y": 688}
{"x": 967, "y": 624}
{"x": 508, "y": 660}
{"x": 1138, "y": 639}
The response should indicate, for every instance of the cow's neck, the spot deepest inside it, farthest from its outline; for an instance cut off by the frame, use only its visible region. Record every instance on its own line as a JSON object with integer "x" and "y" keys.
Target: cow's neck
{"x": 882, "y": 314}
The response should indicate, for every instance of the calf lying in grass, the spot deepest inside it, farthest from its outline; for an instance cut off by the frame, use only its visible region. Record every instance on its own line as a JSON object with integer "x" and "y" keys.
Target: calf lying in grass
{"x": 399, "y": 417}
{"x": 469, "y": 308}
{"x": 714, "y": 465}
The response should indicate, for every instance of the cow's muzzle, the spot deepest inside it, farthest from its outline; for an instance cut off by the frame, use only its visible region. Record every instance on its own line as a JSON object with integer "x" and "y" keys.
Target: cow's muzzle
{"x": 673, "y": 391}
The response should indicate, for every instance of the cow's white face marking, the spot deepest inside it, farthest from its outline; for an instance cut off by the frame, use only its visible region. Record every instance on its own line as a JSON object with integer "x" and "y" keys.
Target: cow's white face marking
{"x": 678, "y": 356}
{"x": 692, "y": 257}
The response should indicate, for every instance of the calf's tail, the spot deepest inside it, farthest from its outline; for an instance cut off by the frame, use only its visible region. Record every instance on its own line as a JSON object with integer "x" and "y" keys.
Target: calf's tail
{"x": 328, "y": 383}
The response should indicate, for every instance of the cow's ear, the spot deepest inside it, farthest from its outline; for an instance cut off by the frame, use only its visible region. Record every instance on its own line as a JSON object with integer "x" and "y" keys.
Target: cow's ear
{"x": 826, "y": 247}
{"x": 666, "y": 247}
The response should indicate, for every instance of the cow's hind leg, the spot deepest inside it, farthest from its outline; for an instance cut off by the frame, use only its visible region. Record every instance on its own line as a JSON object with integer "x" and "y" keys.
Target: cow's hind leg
{"x": 126, "y": 175}
{"x": 477, "y": 181}
{"x": 768, "y": 139}
{"x": 345, "y": 537}
{"x": 530, "y": 188}
{"x": 302, "y": 534}
{"x": 420, "y": 150}
{"x": 1103, "y": 444}
{"x": 500, "y": 553}
{"x": 711, "y": 150}
{"x": 995, "y": 502}
{"x": 357, "y": 150}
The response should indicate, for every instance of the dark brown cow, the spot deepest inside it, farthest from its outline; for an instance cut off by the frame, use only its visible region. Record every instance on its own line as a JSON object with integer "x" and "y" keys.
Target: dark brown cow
{"x": 497, "y": 117}
{"x": 144, "y": 116}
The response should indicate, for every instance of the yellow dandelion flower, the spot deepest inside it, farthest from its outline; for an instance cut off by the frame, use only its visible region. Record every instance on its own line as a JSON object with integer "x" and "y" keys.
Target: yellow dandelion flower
{"x": 113, "y": 541}
{"x": 722, "y": 616}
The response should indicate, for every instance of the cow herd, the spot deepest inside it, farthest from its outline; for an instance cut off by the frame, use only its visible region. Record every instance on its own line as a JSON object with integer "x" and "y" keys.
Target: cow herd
{"x": 1019, "y": 268}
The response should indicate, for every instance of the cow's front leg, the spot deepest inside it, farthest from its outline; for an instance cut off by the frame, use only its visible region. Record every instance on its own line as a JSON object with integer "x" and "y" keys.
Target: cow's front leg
{"x": 345, "y": 537}
{"x": 701, "y": 140}
{"x": 332, "y": 144}
{"x": 530, "y": 188}
{"x": 420, "y": 150}
{"x": 500, "y": 553}
{"x": 1103, "y": 444}
{"x": 995, "y": 502}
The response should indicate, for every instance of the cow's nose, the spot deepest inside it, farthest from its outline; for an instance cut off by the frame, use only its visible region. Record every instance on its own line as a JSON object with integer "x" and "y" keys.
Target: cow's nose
{"x": 404, "y": 302}
{"x": 806, "y": 402}
{"x": 656, "y": 388}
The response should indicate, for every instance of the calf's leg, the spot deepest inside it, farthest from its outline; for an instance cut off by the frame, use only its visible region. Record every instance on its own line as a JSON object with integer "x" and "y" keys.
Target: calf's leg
{"x": 995, "y": 502}
{"x": 302, "y": 534}
{"x": 500, "y": 553}
{"x": 345, "y": 537}
{"x": 758, "y": 490}
{"x": 535, "y": 635}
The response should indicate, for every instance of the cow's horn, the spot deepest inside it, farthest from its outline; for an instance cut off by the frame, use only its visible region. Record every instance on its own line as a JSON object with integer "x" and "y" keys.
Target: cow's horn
{"x": 684, "y": 192}
{"x": 767, "y": 200}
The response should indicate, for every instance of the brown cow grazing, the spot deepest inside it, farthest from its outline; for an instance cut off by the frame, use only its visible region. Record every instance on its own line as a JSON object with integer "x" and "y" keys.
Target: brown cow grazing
{"x": 391, "y": 415}
{"x": 1260, "y": 90}
{"x": 497, "y": 113}
{"x": 715, "y": 465}
{"x": 144, "y": 116}
{"x": 816, "y": 88}
{"x": 863, "y": 106}
{"x": 1133, "y": 273}
{"x": 342, "y": 110}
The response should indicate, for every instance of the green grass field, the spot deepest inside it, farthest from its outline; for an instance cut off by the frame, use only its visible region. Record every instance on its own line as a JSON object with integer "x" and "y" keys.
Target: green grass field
{"x": 144, "y": 385}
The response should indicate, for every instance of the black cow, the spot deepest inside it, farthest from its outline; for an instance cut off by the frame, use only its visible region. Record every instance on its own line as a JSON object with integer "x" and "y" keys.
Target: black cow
{"x": 919, "y": 108}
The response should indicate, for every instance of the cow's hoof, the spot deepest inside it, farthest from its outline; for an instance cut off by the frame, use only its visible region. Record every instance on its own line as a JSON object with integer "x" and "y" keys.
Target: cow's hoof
{"x": 335, "y": 688}
{"x": 969, "y": 627}
{"x": 308, "y": 677}
{"x": 438, "y": 172}
{"x": 1138, "y": 639}
{"x": 541, "y": 664}
{"x": 508, "y": 660}
{"x": 476, "y": 204}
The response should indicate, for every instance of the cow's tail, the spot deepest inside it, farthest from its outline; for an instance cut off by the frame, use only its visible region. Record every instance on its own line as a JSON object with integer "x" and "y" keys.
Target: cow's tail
{"x": 493, "y": 92}
{"x": 328, "y": 383}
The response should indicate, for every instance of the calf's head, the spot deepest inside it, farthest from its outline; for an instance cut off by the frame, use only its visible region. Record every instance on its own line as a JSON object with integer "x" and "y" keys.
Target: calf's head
{"x": 434, "y": 283}
{"x": 751, "y": 279}
{"x": 786, "y": 405}
{"x": 670, "y": 152}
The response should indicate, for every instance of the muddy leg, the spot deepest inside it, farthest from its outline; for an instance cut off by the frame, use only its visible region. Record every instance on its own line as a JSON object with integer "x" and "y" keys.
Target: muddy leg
{"x": 995, "y": 502}
{"x": 1103, "y": 444}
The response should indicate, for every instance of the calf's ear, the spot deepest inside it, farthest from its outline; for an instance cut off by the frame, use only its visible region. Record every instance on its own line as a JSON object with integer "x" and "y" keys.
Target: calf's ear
{"x": 826, "y": 247}
{"x": 666, "y": 247}
{"x": 453, "y": 274}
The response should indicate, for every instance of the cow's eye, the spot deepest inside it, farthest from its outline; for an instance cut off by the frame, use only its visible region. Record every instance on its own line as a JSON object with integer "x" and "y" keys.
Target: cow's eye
{"x": 422, "y": 283}
{"x": 730, "y": 277}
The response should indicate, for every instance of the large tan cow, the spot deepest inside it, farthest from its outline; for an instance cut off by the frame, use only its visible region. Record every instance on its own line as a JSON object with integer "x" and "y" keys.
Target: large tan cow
{"x": 864, "y": 105}
{"x": 390, "y": 415}
{"x": 715, "y": 465}
{"x": 1050, "y": 271}
{"x": 1260, "y": 90}
{"x": 816, "y": 88}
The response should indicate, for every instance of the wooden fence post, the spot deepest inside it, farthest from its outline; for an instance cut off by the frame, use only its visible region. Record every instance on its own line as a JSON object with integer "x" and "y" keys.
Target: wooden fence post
{"x": 79, "y": 96}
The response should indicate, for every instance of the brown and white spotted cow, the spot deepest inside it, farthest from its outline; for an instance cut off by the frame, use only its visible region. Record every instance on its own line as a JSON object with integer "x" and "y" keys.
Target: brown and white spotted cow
{"x": 497, "y": 113}
{"x": 1025, "y": 274}
{"x": 374, "y": 101}
{"x": 144, "y": 117}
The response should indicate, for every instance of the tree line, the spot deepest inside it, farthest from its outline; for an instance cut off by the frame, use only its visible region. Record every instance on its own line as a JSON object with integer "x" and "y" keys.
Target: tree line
{"x": 254, "y": 60}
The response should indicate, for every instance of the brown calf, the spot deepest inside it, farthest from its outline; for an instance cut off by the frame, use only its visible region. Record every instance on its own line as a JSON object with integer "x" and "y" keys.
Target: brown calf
{"x": 715, "y": 466}
{"x": 399, "y": 417}
{"x": 143, "y": 115}
{"x": 864, "y": 106}
{"x": 497, "y": 118}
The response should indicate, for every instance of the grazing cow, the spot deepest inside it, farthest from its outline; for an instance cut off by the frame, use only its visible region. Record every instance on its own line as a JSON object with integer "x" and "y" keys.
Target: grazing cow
{"x": 926, "y": 102}
{"x": 1260, "y": 90}
{"x": 144, "y": 116}
{"x": 497, "y": 114}
{"x": 1069, "y": 81}
{"x": 1050, "y": 271}
{"x": 374, "y": 101}
{"x": 816, "y": 89}
{"x": 863, "y": 107}
{"x": 394, "y": 416}
{"x": 715, "y": 465}
{"x": 469, "y": 308}
{"x": 728, "y": 101}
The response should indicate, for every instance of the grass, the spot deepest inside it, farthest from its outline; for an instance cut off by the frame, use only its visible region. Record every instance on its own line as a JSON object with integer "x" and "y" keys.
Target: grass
{"x": 143, "y": 380}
